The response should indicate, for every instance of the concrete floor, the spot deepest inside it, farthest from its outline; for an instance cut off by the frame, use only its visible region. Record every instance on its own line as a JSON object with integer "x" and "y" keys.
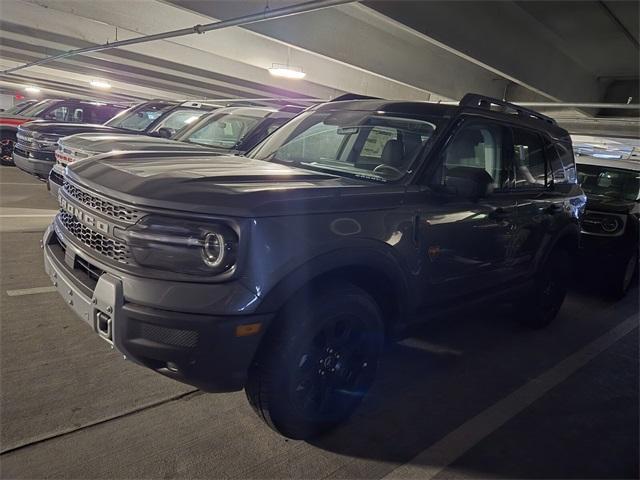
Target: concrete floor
{"x": 470, "y": 397}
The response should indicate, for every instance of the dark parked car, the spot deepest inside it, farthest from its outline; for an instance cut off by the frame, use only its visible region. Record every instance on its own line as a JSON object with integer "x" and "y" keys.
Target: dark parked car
{"x": 229, "y": 130}
{"x": 610, "y": 225}
{"x": 37, "y": 141}
{"x": 57, "y": 110}
{"x": 285, "y": 270}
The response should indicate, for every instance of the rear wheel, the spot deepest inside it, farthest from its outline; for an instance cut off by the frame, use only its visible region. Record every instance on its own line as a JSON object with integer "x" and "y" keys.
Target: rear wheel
{"x": 7, "y": 142}
{"x": 317, "y": 362}
{"x": 540, "y": 308}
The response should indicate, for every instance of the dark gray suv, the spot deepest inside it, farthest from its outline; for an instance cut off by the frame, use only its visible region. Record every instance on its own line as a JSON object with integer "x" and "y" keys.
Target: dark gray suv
{"x": 284, "y": 271}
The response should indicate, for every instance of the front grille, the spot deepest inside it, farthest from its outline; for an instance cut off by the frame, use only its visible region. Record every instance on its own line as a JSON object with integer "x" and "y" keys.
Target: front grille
{"x": 89, "y": 271}
{"x": 105, "y": 207}
{"x": 56, "y": 177}
{"x": 110, "y": 248}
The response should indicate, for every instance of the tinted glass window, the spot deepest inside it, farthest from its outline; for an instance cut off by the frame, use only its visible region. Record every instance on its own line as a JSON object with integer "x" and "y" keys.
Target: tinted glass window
{"x": 102, "y": 113}
{"x": 609, "y": 182}
{"x": 480, "y": 146}
{"x": 140, "y": 117}
{"x": 356, "y": 143}
{"x": 59, "y": 114}
{"x": 223, "y": 131}
{"x": 568, "y": 162}
{"x": 529, "y": 159}
{"x": 178, "y": 119}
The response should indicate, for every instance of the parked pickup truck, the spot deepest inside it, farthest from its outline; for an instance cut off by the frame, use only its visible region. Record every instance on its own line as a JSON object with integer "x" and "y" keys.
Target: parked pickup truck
{"x": 37, "y": 141}
{"x": 611, "y": 223}
{"x": 70, "y": 110}
{"x": 284, "y": 271}
{"x": 229, "y": 130}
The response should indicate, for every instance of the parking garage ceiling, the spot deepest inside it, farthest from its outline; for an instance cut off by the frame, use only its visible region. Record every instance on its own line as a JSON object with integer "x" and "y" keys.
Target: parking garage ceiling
{"x": 392, "y": 49}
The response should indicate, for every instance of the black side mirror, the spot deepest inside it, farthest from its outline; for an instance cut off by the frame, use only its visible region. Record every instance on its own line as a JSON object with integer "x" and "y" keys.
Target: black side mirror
{"x": 166, "y": 132}
{"x": 468, "y": 182}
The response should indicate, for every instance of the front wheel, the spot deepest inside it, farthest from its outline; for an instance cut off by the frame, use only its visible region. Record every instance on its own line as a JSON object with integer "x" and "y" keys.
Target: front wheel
{"x": 317, "y": 362}
{"x": 550, "y": 288}
{"x": 7, "y": 142}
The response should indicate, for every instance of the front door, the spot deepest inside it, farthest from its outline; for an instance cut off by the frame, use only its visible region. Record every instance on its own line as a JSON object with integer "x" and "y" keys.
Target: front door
{"x": 467, "y": 243}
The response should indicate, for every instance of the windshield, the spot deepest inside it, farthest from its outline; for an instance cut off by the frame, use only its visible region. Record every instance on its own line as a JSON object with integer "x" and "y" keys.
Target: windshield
{"x": 222, "y": 131}
{"x": 178, "y": 119}
{"x": 608, "y": 182}
{"x": 353, "y": 143}
{"x": 140, "y": 117}
{"x": 18, "y": 107}
{"x": 37, "y": 108}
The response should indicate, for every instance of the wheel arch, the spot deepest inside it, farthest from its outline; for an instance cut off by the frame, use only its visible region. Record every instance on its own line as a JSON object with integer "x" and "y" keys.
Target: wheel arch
{"x": 376, "y": 272}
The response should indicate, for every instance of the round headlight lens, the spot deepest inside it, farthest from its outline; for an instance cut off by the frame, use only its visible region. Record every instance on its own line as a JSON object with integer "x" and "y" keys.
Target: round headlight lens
{"x": 609, "y": 225}
{"x": 213, "y": 249}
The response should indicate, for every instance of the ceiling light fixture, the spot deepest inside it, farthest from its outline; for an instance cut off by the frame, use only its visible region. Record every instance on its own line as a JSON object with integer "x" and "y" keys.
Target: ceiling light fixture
{"x": 101, "y": 84}
{"x": 286, "y": 71}
{"x": 32, "y": 89}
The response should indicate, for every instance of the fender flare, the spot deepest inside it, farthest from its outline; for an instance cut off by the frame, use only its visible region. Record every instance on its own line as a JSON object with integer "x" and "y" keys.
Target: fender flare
{"x": 371, "y": 258}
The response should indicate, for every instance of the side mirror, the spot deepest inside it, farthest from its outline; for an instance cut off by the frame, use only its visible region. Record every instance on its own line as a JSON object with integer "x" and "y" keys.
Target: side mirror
{"x": 468, "y": 182}
{"x": 166, "y": 132}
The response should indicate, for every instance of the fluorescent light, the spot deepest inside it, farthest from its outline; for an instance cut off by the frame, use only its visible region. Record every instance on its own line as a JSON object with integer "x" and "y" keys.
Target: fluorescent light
{"x": 32, "y": 89}
{"x": 287, "y": 71}
{"x": 102, "y": 84}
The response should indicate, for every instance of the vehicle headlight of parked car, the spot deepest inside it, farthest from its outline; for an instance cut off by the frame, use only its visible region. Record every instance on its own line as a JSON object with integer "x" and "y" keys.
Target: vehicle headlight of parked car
{"x": 182, "y": 246}
{"x": 602, "y": 224}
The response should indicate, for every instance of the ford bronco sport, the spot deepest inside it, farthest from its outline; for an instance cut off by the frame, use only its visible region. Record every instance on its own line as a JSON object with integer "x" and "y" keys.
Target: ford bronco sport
{"x": 284, "y": 271}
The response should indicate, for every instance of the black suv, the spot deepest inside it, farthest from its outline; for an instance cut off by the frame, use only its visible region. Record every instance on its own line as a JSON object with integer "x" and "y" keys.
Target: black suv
{"x": 57, "y": 110}
{"x": 610, "y": 226}
{"x": 284, "y": 271}
{"x": 37, "y": 141}
{"x": 231, "y": 130}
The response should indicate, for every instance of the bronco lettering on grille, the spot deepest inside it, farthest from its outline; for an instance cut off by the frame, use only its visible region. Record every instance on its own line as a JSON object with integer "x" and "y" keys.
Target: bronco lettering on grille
{"x": 84, "y": 217}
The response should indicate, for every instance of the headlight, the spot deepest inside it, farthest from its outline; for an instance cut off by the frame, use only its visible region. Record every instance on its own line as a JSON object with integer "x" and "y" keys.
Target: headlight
{"x": 182, "y": 246}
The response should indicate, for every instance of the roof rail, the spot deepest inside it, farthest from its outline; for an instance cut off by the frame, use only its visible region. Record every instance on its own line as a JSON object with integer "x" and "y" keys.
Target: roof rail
{"x": 481, "y": 101}
{"x": 353, "y": 96}
{"x": 291, "y": 109}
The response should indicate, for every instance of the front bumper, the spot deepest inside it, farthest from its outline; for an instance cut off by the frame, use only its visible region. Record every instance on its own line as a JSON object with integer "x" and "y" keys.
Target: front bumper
{"x": 202, "y": 350}
{"x": 34, "y": 166}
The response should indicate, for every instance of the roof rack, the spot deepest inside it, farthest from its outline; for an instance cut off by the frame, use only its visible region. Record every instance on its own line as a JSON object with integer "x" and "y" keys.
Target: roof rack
{"x": 353, "y": 96}
{"x": 481, "y": 101}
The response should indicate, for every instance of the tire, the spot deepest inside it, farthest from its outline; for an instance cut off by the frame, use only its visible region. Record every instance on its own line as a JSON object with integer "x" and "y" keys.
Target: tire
{"x": 622, "y": 278}
{"x": 550, "y": 288}
{"x": 317, "y": 362}
{"x": 7, "y": 141}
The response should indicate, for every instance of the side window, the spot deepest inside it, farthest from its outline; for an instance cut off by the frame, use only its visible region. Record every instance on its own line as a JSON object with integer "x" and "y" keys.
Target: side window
{"x": 568, "y": 162}
{"x": 77, "y": 115}
{"x": 478, "y": 146}
{"x": 60, "y": 114}
{"x": 276, "y": 124}
{"x": 529, "y": 159}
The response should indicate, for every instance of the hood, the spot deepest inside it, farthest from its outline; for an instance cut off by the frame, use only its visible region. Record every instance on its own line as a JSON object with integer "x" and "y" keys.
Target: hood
{"x": 46, "y": 127}
{"x": 106, "y": 142}
{"x": 226, "y": 185}
{"x": 607, "y": 204}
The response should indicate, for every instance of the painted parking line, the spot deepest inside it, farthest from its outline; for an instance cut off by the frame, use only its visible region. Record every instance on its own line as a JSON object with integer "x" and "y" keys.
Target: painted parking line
{"x": 440, "y": 455}
{"x": 30, "y": 291}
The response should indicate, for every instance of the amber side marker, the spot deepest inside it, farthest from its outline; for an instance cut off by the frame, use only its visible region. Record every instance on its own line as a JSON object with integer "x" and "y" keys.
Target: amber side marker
{"x": 248, "y": 329}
